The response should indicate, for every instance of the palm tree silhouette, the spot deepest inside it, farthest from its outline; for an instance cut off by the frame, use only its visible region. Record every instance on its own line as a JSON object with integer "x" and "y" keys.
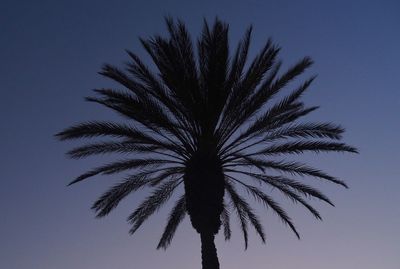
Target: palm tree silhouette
{"x": 209, "y": 124}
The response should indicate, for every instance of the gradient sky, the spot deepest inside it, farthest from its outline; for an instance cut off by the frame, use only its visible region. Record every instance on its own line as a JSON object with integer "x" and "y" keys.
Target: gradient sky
{"x": 50, "y": 52}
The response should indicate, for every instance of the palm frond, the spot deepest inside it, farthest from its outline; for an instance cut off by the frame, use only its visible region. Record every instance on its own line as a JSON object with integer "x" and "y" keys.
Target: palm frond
{"x": 265, "y": 92}
{"x": 261, "y": 64}
{"x": 119, "y": 76}
{"x": 157, "y": 90}
{"x": 237, "y": 64}
{"x": 143, "y": 101}
{"x": 244, "y": 212}
{"x": 241, "y": 214}
{"x": 270, "y": 124}
{"x": 152, "y": 203}
{"x": 173, "y": 172}
{"x": 292, "y": 73}
{"x": 297, "y": 147}
{"x": 286, "y": 105}
{"x": 175, "y": 218}
{"x": 226, "y": 223}
{"x": 110, "y": 199}
{"x": 270, "y": 203}
{"x": 306, "y": 130}
{"x": 293, "y": 168}
{"x": 173, "y": 60}
{"x": 213, "y": 66}
{"x": 236, "y": 111}
{"x": 98, "y": 129}
{"x": 294, "y": 197}
{"x": 122, "y": 165}
{"x": 144, "y": 111}
{"x": 110, "y": 147}
{"x": 295, "y": 185}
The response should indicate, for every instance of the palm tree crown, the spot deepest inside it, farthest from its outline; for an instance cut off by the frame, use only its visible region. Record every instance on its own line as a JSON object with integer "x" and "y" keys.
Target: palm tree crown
{"x": 207, "y": 123}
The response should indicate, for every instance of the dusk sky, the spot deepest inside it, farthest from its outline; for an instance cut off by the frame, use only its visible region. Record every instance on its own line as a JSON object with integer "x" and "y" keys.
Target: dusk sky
{"x": 50, "y": 53}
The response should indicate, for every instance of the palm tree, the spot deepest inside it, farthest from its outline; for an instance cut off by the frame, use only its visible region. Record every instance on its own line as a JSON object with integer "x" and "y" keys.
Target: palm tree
{"x": 207, "y": 123}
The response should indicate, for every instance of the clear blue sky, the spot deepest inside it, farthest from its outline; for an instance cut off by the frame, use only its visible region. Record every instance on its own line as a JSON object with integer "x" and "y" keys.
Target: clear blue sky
{"x": 50, "y": 52}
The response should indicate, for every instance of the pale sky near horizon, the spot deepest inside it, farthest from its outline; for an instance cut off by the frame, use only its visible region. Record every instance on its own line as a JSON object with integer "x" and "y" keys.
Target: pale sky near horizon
{"x": 50, "y": 54}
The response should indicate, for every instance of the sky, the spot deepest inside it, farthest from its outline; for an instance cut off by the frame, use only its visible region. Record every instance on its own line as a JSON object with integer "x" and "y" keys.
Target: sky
{"x": 50, "y": 53}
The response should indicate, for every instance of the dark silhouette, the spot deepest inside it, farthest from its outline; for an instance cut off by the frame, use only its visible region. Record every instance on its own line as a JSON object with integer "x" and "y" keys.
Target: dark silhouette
{"x": 208, "y": 123}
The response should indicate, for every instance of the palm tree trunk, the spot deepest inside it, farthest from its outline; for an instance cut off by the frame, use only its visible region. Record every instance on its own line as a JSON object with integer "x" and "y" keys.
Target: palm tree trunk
{"x": 209, "y": 258}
